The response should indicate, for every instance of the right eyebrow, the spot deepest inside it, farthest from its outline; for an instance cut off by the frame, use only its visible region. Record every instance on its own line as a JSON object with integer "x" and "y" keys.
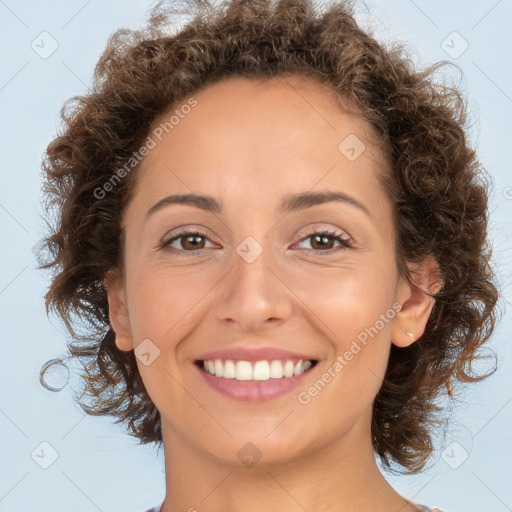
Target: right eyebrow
{"x": 206, "y": 203}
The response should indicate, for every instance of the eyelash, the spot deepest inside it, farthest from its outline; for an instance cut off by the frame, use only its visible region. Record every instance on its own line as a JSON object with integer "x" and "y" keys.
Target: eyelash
{"x": 346, "y": 243}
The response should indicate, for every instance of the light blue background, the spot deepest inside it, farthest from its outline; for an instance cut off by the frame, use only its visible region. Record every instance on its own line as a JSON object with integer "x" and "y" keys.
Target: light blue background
{"x": 100, "y": 468}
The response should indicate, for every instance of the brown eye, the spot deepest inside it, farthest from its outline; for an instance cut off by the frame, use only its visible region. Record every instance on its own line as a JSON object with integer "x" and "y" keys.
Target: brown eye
{"x": 192, "y": 242}
{"x": 186, "y": 241}
{"x": 323, "y": 242}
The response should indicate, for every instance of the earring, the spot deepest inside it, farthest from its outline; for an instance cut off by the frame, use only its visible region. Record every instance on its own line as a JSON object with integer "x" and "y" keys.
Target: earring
{"x": 410, "y": 334}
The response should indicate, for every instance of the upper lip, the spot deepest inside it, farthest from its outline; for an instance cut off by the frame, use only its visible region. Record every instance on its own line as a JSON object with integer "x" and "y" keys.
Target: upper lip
{"x": 254, "y": 354}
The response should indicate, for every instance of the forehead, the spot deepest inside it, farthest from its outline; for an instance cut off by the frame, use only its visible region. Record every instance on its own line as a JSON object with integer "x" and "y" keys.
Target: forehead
{"x": 246, "y": 135}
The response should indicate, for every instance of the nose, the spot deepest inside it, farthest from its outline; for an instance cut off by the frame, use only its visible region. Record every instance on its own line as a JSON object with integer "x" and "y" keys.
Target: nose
{"x": 252, "y": 295}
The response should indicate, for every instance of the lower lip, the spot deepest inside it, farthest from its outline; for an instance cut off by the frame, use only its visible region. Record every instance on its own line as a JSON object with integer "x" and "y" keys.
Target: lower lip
{"x": 254, "y": 390}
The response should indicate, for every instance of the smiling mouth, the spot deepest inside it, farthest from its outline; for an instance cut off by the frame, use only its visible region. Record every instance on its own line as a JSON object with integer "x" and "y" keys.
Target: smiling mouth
{"x": 263, "y": 370}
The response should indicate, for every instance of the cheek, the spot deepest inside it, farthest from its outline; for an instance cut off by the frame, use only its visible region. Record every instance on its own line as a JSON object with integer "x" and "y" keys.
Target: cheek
{"x": 162, "y": 299}
{"x": 350, "y": 299}
{"x": 350, "y": 309}
{"x": 161, "y": 306}
{"x": 354, "y": 309}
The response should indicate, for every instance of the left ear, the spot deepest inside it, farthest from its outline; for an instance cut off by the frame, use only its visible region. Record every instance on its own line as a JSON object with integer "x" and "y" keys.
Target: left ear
{"x": 409, "y": 323}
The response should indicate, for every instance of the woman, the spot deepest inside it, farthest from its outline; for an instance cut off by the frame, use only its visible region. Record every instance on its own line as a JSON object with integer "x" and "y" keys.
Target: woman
{"x": 276, "y": 231}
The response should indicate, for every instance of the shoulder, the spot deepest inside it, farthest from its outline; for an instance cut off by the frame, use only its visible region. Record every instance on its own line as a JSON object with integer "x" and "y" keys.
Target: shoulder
{"x": 424, "y": 508}
{"x": 154, "y": 509}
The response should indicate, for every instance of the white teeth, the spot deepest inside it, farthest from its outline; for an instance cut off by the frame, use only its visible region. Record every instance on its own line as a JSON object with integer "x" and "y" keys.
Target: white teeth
{"x": 260, "y": 370}
{"x": 306, "y": 365}
{"x": 288, "y": 369}
{"x": 243, "y": 370}
{"x": 218, "y": 368}
{"x": 276, "y": 370}
{"x": 229, "y": 370}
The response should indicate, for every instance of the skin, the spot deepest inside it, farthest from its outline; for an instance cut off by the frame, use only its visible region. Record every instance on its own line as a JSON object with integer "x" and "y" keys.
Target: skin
{"x": 250, "y": 143}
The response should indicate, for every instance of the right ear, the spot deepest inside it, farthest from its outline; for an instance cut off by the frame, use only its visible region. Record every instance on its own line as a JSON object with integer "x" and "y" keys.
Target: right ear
{"x": 118, "y": 311}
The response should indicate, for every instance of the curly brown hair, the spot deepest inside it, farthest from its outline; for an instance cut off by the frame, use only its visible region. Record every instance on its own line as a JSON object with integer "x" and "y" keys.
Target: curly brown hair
{"x": 436, "y": 183}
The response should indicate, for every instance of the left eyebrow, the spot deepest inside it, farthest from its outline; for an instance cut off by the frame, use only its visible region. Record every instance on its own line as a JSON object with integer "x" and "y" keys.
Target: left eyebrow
{"x": 305, "y": 200}
{"x": 291, "y": 203}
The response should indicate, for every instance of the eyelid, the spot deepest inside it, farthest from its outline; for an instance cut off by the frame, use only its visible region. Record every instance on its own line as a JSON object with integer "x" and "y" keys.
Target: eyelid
{"x": 338, "y": 235}
{"x": 185, "y": 229}
{"x": 317, "y": 227}
{"x": 179, "y": 232}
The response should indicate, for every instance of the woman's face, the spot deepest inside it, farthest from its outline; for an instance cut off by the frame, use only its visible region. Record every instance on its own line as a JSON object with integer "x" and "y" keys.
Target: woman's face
{"x": 260, "y": 277}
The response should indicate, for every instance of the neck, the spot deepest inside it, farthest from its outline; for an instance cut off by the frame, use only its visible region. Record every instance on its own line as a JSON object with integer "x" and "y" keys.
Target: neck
{"x": 341, "y": 476}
